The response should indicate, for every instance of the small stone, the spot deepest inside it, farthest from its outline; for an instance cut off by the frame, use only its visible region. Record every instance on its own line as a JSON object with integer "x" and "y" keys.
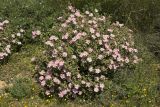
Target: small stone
{"x": 2, "y": 85}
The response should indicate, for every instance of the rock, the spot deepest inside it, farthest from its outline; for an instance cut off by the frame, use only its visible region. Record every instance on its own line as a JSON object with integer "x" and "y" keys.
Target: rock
{"x": 2, "y": 85}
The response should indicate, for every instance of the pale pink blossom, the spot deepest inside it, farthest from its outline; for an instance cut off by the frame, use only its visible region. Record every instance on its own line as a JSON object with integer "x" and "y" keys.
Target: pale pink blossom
{"x": 90, "y": 50}
{"x": 41, "y": 78}
{"x": 87, "y": 12}
{"x": 68, "y": 74}
{"x": 18, "y": 34}
{"x": 53, "y": 38}
{"x": 88, "y": 41}
{"x": 64, "y": 54}
{"x": 88, "y": 84}
{"x": 98, "y": 34}
{"x": 49, "y": 43}
{"x": 56, "y": 80}
{"x": 79, "y": 76}
{"x": 48, "y": 77}
{"x": 91, "y": 69}
{"x": 100, "y": 57}
{"x": 62, "y": 76}
{"x": 65, "y": 36}
{"x": 89, "y": 59}
{"x": 47, "y": 92}
{"x": 97, "y": 71}
{"x": 74, "y": 57}
{"x": 42, "y": 72}
{"x": 96, "y": 10}
{"x": 6, "y": 22}
{"x": 77, "y": 14}
{"x": 43, "y": 83}
{"x": 92, "y": 30}
{"x": 110, "y": 30}
{"x": 96, "y": 89}
{"x": 76, "y": 86}
{"x": 127, "y": 60}
{"x": 101, "y": 85}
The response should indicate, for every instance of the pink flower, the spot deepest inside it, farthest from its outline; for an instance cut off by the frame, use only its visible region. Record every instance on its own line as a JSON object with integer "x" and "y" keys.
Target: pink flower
{"x": 89, "y": 59}
{"x": 60, "y": 94}
{"x": 56, "y": 80}
{"x": 53, "y": 38}
{"x": 79, "y": 76}
{"x": 61, "y": 63}
{"x": 33, "y": 33}
{"x": 90, "y": 69}
{"x": 87, "y": 12}
{"x": 101, "y": 85}
{"x": 64, "y": 25}
{"x": 49, "y": 43}
{"x": 48, "y": 77}
{"x": 96, "y": 89}
{"x": 33, "y": 59}
{"x": 126, "y": 60}
{"x": 77, "y": 14}
{"x": 91, "y": 14}
{"x": 96, "y": 10}
{"x": 74, "y": 57}
{"x": 64, "y": 54}
{"x": 98, "y": 34}
{"x": 92, "y": 30}
{"x": 18, "y": 34}
{"x": 88, "y": 42}
{"x": 1, "y": 24}
{"x": 100, "y": 57}
{"x": 52, "y": 64}
{"x": 97, "y": 71}
{"x": 90, "y": 50}
{"x": 100, "y": 42}
{"x": 112, "y": 35}
{"x": 59, "y": 18}
{"x": 65, "y": 36}
{"x": 1, "y": 28}
{"x": 93, "y": 36}
{"x": 47, "y": 92}
{"x": 42, "y": 72}
{"x": 88, "y": 84}
{"x": 71, "y": 8}
{"x": 102, "y": 49}
{"x": 83, "y": 54}
{"x": 36, "y": 33}
{"x": 6, "y": 22}
{"x": 83, "y": 82}
{"x": 62, "y": 76}
{"x": 130, "y": 49}
{"x": 76, "y": 86}
{"x": 2, "y": 55}
{"x": 135, "y": 50}
{"x": 68, "y": 74}
{"x": 41, "y": 78}
{"x": 110, "y": 30}
{"x": 110, "y": 66}
{"x": 43, "y": 83}
{"x": 90, "y": 21}
{"x": 80, "y": 93}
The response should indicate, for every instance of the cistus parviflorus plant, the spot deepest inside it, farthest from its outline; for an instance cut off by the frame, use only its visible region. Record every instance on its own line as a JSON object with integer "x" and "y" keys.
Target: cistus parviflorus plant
{"x": 9, "y": 41}
{"x": 80, "y": 54}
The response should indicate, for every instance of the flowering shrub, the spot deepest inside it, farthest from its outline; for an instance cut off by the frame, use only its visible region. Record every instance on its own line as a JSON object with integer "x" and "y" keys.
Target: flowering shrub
{"x": 35, "y": 34}
{"x": 85, "y": 48}
{"x": 8, "y": 41}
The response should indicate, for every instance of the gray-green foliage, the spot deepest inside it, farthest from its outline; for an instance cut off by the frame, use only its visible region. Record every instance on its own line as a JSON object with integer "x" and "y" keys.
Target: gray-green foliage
{"x": 21, "y": 88}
